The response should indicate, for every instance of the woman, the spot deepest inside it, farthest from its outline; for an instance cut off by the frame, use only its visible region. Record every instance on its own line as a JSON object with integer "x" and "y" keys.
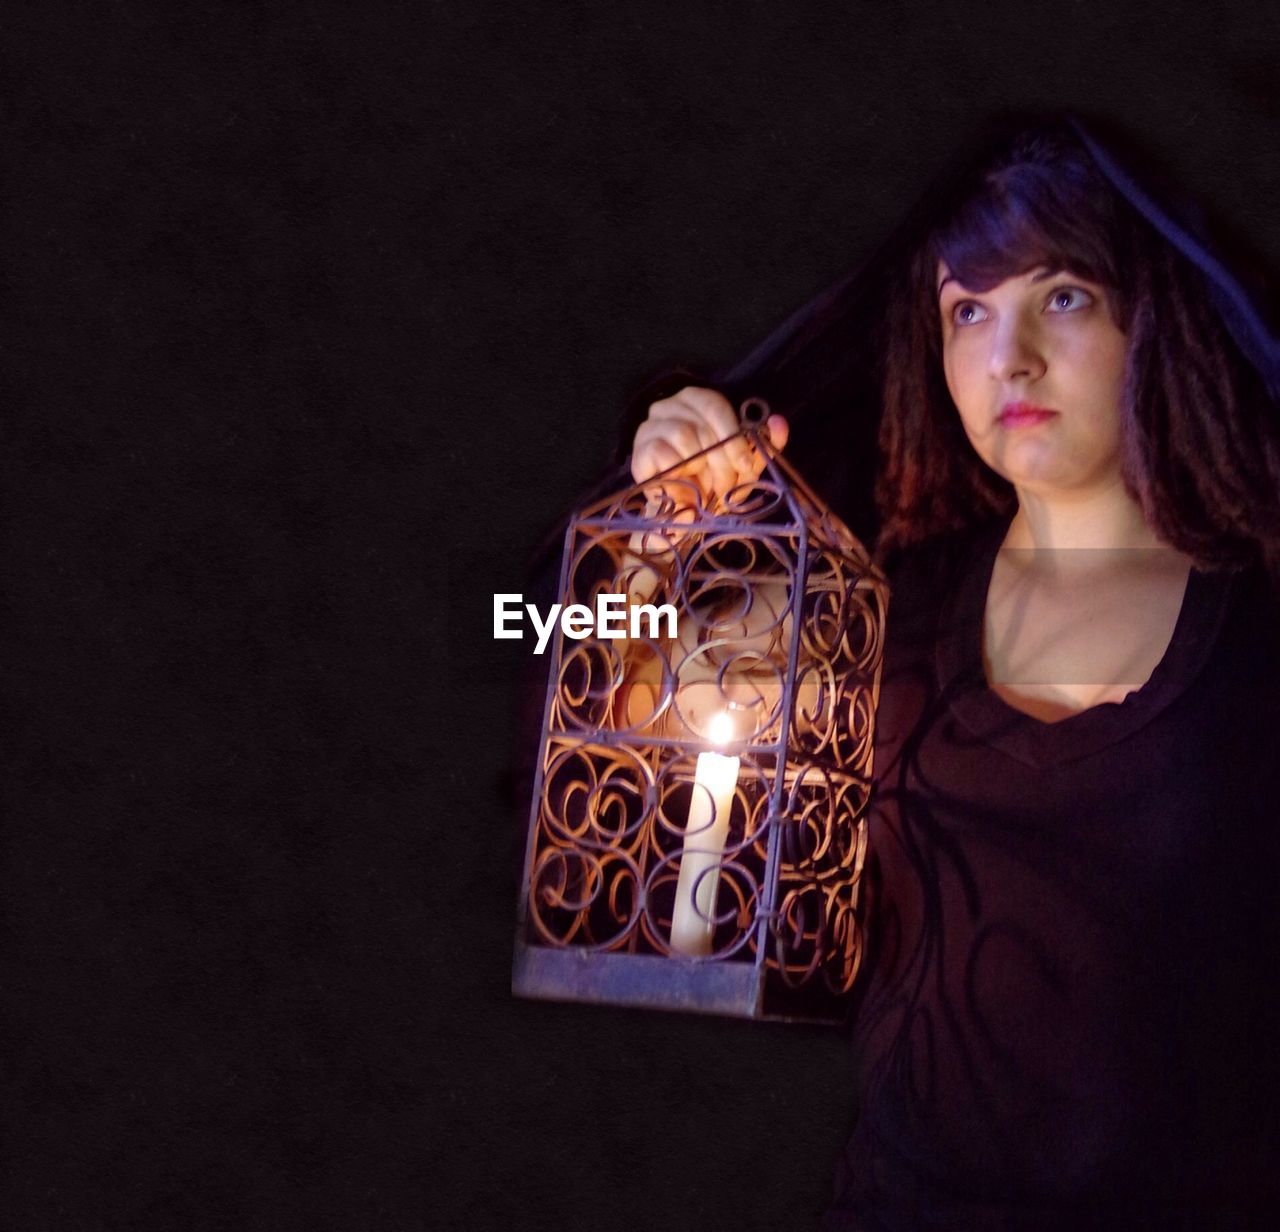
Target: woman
{"x": 1067, "y": 1015}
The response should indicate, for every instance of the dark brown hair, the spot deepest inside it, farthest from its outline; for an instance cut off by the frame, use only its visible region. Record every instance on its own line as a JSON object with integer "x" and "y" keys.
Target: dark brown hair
{"x": 1200, "y": 438}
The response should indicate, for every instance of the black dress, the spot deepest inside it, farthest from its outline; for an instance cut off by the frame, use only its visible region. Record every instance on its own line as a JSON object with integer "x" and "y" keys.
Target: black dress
{"x": 1068, "y": 1016}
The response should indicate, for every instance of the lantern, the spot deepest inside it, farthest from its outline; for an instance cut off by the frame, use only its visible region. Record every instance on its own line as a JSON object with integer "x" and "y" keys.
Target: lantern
{"x": 698, "y": 823}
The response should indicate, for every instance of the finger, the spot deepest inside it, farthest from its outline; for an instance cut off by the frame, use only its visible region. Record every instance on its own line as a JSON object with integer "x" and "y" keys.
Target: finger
{"x": 694, "y": 421}
{"x": 683, "y": 436}
{"x": 719, "y": 467}
{"x": 663, "y": 457}
{"x": 689, "y": 396}
{"x": 707, "y": 409}
{"x": 659, "y": 445}
{"x": 644, "y": 456}
{"x": 642, "y": 460}
{"x": 684, "y": 462}
{"x": 685, "y": 426}
{"x": 718, "y": 412}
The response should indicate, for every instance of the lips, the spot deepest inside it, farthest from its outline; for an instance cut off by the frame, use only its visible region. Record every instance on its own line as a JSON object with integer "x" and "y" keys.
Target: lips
{"x": 1014, "y": 414}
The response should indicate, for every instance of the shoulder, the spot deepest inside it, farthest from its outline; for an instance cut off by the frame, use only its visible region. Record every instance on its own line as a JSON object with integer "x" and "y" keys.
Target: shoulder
{"x": 1254, "y": 610}
{"x": 926, "y": 571}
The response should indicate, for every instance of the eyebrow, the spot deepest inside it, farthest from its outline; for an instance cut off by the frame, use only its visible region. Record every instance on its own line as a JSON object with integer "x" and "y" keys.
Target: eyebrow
{"x": 1040, "y": 276}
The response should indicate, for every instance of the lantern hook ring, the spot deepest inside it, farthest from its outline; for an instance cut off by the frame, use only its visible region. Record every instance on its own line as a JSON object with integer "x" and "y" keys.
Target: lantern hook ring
{"x": 754, "y": 413}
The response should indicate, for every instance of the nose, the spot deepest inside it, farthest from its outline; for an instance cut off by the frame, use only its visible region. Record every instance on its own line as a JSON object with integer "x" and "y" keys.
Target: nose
{"x": 1015, "y": 352}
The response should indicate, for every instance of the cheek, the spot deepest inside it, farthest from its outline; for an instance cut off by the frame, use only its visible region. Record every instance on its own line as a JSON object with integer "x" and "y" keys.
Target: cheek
{"x": 963, "y": 379}
{"x": 1099, "y": 361}
{"x": 1118, "y": 357}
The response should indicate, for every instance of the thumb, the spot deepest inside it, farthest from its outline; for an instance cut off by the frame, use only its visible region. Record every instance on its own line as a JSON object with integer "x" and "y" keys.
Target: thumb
{"x": 779, "y": 431}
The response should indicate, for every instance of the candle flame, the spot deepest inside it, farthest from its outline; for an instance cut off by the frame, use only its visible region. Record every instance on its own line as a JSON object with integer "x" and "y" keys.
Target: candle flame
{"x": 720, "y": 729}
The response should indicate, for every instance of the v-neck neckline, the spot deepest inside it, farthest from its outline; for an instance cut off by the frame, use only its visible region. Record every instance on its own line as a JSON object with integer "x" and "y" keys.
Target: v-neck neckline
{"x": 963, "y": 681}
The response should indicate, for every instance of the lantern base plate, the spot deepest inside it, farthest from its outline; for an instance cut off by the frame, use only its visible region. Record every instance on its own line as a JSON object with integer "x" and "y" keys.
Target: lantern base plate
{"x": 650, "y": 981}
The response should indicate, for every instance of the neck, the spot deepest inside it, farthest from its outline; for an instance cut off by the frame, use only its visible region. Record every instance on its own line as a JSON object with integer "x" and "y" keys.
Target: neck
{"x": 1109, "y": 518}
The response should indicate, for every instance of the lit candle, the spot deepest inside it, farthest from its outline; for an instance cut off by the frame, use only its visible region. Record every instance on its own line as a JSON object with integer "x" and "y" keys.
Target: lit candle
{"x": 713, "y": 789}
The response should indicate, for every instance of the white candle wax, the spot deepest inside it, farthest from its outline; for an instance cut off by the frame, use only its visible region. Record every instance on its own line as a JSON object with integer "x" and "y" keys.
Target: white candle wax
{"x": 715, "y": 779}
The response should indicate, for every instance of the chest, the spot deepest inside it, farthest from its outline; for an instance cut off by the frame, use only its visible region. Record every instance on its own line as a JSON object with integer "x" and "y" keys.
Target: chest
{"x": 1062, "y": 637}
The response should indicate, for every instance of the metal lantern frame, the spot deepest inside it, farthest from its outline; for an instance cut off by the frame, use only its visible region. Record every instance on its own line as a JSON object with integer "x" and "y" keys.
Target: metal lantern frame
{"x": 780, "y": 629}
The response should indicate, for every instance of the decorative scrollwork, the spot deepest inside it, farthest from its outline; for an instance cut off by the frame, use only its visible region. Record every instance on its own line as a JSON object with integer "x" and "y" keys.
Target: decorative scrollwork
{"x": 779, "y": 635}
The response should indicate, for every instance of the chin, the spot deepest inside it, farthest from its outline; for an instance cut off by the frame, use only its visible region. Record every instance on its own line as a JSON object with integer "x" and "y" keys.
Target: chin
{"x": 1038, "y": 470}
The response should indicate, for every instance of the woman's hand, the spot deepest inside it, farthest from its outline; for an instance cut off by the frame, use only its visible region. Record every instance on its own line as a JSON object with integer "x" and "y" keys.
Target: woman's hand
{"x": 677, "y": 428}
{"x": 692, "y": 420}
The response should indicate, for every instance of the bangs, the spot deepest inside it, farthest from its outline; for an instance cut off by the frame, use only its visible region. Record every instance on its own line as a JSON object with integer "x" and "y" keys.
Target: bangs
{"x": 1046, "y": 205}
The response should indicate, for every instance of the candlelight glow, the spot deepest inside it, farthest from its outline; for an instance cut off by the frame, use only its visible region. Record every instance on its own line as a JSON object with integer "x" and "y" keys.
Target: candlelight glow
{"x": 720, "y": 729}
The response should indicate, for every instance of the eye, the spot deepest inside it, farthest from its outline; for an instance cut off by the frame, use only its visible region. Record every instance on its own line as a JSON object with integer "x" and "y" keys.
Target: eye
{"x": 968, "y": 312}
{"x": 1068, "y": 299}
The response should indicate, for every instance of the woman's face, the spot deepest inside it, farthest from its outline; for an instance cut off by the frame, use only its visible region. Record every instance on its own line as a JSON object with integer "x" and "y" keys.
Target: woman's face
{"x": 1035, "y": 366}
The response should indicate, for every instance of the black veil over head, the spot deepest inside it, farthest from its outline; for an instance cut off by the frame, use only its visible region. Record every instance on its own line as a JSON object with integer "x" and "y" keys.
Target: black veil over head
{"x": 822, "y": 369}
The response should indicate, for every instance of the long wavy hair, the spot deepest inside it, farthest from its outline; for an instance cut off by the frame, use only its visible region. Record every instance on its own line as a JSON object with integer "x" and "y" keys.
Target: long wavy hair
{"x": 1201, "y": 439}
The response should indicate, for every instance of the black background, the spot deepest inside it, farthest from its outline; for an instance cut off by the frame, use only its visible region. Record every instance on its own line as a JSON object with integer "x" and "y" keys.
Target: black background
{"x": 318, "y": 322}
